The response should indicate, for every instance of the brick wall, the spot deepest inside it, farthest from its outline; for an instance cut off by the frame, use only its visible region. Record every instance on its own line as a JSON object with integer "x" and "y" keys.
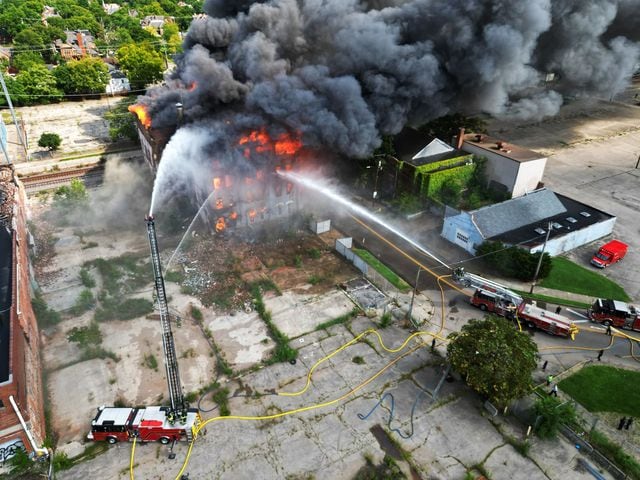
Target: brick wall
{"x": 26, "y": 370}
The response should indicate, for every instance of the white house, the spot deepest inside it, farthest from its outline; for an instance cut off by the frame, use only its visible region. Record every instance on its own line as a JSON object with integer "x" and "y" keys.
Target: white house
{"x": 509, "y": 168}
{"x": 524, "y": 221}
{"x": 118, "y": 83}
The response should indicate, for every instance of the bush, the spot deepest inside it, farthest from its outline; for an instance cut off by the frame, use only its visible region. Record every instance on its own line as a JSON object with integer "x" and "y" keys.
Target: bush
{"x": 84, "y": 302}
{"x": 196, "y": 314}
{"x": 86, "y": 278}
{"x": 50, "y": 141}
{"x": 513, "y": 262}
{"x": 86, "y": 335}
{"x": 552, "y": 412}
{"x": 46, "y": 317}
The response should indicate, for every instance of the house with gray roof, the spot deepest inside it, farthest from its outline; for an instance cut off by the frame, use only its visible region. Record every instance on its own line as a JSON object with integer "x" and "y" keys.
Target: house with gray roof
{"x": 524, "y": 221}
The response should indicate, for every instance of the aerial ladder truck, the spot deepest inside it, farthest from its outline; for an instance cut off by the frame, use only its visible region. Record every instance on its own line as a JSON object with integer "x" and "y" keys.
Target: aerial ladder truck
{"x": 164, "y": 424}
{"x": 490, "y": 296}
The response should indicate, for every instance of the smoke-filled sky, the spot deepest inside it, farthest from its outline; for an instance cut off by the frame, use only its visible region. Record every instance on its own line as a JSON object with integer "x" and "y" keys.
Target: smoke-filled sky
{"x": 345, "y": 72}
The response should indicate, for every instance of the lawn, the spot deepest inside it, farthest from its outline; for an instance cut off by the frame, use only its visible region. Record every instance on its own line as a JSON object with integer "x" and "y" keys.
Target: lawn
{"x": 383, "y": 270}
{"x": 601, "y": 388}
{"x": 570, "y": 277}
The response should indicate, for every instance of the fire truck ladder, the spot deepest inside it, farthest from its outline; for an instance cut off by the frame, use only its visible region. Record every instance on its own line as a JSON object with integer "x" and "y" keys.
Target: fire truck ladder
{"x": 178, "y": 404}
{"x": 476, "y": 281}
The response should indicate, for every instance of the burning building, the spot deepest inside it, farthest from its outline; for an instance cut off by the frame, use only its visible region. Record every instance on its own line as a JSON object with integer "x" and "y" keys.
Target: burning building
{"x": 21, "y": 395}
{"x": 245, "y": 186}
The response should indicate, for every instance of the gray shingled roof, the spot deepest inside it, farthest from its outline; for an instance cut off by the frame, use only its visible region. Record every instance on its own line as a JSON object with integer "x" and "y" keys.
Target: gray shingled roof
{"x": 515, "y": 213}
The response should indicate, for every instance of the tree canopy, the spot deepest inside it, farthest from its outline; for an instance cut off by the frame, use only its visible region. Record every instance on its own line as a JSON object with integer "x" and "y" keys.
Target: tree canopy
{"x": 513, "y": 261}
{"x": 121, "y": 121}
{"x": 49, "y": 140}
{"x": 88, "y": 75}
{"x": 141, "y": 64}
{"x": 494, "y": 358}
{"x": 35, "y": 85}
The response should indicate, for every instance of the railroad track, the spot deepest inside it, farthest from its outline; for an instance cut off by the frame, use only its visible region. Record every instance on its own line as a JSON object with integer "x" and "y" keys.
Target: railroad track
{"x": 91, "y": 176}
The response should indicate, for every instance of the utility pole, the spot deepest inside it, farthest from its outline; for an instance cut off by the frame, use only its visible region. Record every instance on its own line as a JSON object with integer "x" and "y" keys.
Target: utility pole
{"x": 375, "y": 183}
{"x": 13, "y": 115}
{"x": 544, "y": 246}
{"x": 413, "y": 296}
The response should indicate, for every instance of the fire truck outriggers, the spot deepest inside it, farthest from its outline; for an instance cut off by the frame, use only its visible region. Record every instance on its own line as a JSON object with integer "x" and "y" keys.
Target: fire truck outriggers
{"x": 490, "y": 296}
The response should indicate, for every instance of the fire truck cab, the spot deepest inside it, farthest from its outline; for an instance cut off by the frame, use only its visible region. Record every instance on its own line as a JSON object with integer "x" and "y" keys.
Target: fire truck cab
{"x": 148, "y": 424}
{"x": 615, "y": 313}
{"x": 489, "y": 301}
{"x": 550, "y": 322}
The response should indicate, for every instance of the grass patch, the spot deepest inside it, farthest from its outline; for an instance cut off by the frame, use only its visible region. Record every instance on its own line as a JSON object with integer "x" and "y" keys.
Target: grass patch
{"x": 46, "y": 316}
{"x": 86, "y": 335}
{"x": 386, "y": 320}
{"x": 86, "y": 278}
{"x": 382, "y": 269}
{"x": 624, "y": 461}
{"x": 196, "y": 314}
{"x": 339, "y": 320}
{"x": 150, "y": 361}
{"x": 358, "y": 360}
{"x": 83, "y": 303}
{"x": 570, "y": 277}
{"x": 551, "y": 299}
{"x": 601, "y": 388}
{"x": 221, "y": 397}
{"x": 174, "y": 276}
{"x": 283, "y": 352}
{"x": 112, "y": 309}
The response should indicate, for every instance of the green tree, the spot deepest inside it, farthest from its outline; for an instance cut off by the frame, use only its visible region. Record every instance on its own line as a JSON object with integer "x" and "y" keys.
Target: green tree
{"x": 552, "y": 413}
{"x": 513, "y": 261}
{"x": 141, "y": 64}
{"x": 50, "y": 141}
{"x": 25, "y": 60}
{"x": 88, "y": 75}
{"x": 121, "y": 121}
{"x": 71, "y": 195}
{"x": 36, "y": 85}
{"x": 494, "y": 358}
{"x": 28, "y": 37}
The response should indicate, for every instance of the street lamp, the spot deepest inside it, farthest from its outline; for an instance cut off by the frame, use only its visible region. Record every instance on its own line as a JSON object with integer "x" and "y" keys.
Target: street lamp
{"x": 398, "y": 162}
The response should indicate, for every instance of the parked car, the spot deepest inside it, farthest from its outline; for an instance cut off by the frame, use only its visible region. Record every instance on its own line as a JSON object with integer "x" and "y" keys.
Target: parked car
{"x": 609, "y": 253}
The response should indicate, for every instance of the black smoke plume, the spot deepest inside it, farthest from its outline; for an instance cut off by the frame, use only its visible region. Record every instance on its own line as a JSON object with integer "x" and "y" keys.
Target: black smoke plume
{"x": 342, "y": 73}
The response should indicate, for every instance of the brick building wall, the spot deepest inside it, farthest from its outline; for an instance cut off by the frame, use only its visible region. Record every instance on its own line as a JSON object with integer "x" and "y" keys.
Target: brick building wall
{"x": 24, "y": 380}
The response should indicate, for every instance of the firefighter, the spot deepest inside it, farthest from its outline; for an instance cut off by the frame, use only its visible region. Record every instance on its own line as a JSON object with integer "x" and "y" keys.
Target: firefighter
{"x": 171, "y": 418}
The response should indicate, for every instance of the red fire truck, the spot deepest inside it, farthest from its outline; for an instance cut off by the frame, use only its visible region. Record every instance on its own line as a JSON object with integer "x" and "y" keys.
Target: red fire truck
{"x": 148, "y": 424}
{"x": 489, "y": 296}
{"x": 550, "y": 322}
{"x": 615, "y": 313}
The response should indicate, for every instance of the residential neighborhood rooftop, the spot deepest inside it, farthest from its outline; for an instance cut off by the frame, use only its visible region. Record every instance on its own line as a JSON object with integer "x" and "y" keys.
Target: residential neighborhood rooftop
{"x": 500, "y": 147}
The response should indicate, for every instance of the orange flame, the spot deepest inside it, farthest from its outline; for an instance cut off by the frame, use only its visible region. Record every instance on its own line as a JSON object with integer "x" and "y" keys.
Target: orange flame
{"x": 285, "y": 144}
{"x": 217, "y": 183}
{"x": 193, "y": 86}
{"x": 233, "y": 216}
{"x": 252, "y": 215}
{"x": 220, "y": 224}
{"x": 142, "y": 114}
{"x": 219, "y": 204}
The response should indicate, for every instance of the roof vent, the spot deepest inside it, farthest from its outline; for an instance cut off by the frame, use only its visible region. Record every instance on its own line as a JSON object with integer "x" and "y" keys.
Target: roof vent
{"x": 499, "y": 145}
{"x": 571, "y": 220}
{"x": 540, "y": 231}
{"x": 479, "y": 138}
{"x": 585, "y": 214}
{"x": 556, "y": 225}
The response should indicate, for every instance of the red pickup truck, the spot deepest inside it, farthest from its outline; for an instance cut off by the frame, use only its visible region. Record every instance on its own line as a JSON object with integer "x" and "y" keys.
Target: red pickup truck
{"x": 609, "y": 253}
